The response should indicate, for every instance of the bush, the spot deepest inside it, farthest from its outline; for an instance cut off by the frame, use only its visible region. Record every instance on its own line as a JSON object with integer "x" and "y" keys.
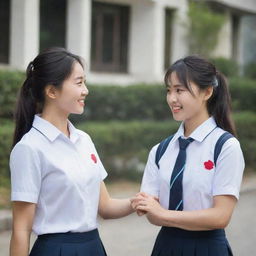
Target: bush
{"x": 228, "y": 67}
{"x": 141, "y": 102}
{"x": 250, "y": 70}
{"x": 243, "y": 92}
{"x": 124, "y": 146}
{"x": 10, "y": 82}
{"x": 6, "y": 133}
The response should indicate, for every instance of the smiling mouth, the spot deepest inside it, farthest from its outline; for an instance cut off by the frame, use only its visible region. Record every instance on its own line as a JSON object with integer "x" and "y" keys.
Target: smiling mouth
{"x": 176, "y": 109}
{"x": 81, "y": 102}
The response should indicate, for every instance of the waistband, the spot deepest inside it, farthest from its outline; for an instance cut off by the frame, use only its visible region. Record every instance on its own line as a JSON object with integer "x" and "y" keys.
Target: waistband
{"x": 70, "y": 237}
{"x": 177, "y": 232}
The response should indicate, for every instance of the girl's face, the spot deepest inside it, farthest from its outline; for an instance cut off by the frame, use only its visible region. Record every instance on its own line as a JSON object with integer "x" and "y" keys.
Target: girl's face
{"x": 70, "y": 98}
{"x": 184, "y": 105}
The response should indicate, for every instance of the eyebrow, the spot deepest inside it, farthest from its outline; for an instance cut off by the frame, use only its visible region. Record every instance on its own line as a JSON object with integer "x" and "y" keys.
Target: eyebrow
{"x": 80, "y": 78}
{"x": 175, "y": 85}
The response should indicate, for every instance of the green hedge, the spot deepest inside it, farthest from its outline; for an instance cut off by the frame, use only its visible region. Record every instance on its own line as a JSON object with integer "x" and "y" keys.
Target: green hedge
{"x": 142, "y": 102}
{"x": 227, "y": 66}
{"x": 10, "y": 82}
{"x": 124, "y": 146}
{"x": 243, "y": 94}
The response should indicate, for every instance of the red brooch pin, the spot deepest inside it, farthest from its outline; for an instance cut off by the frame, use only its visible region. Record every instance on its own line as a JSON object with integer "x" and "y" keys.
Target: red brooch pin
{"x": 208, "y": 165}
{"x": 94, "y": 159}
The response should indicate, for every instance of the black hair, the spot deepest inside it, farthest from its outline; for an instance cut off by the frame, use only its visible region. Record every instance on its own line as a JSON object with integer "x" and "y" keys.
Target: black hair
{"x": 204, "y": 74}
{"x": 51, "y": 67}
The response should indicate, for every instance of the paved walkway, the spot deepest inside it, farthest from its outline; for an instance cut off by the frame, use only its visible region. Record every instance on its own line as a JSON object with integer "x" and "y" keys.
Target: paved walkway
{"x": 133, "y": 235}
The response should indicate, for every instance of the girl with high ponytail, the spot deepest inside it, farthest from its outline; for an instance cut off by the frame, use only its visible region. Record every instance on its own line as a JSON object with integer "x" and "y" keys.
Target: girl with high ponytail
{"x": 195, "y": 173}
{"x": 56, "y": 173}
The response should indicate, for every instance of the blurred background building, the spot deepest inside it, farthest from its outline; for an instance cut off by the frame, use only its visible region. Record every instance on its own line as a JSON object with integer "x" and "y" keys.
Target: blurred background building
{"x": 122, "y": 41}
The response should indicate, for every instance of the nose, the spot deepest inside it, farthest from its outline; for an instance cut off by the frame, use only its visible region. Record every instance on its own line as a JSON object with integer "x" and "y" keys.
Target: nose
{"x": 85, "y": 91}
{"x": 171, "y": 98}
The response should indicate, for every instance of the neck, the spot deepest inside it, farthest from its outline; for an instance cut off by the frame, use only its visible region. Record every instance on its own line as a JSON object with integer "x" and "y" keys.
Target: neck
{"x": 57, "y": 118}
{"x": 191, "y": 124}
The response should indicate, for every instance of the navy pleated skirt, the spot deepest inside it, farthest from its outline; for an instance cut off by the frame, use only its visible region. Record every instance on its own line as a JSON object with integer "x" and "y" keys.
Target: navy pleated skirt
{"x": 69, "y": 244}
{"x": 179, "y": 242}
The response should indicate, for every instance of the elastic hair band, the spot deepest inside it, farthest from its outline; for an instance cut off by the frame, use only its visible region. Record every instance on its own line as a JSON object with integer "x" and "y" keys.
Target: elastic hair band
{"x": 215, "y": 82}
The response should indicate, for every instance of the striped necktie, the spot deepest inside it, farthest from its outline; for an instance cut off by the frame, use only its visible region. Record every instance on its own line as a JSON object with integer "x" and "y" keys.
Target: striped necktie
{"x": 176, "y": 198}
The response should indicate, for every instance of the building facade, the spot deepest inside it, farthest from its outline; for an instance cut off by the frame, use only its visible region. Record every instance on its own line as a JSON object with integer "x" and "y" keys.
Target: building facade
{"x": 121, "y": 41}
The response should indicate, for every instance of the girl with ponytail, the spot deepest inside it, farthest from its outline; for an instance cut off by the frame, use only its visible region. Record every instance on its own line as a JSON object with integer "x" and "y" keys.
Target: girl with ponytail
{"x": 195, "y": 173}
{"x": 56, "y": 173}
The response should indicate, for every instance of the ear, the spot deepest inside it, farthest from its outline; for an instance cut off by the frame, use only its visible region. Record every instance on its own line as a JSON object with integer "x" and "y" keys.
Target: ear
{"x": 208, "y": 93}
{"x": 50, "y": 91}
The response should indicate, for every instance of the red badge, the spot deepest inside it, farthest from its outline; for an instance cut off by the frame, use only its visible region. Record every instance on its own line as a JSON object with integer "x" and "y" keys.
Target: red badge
{"x": 208, "y": 165}
{"x": 94, "y": 159}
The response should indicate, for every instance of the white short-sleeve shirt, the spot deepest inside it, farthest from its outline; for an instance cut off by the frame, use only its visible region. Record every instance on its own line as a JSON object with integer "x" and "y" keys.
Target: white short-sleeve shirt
{"x": 61, "y": 175}
{"x": 201, "y": 179}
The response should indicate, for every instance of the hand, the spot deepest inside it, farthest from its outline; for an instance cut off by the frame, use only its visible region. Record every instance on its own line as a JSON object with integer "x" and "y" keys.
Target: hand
{"x": 135, "y": 202}
{"x": 155, "y": 212}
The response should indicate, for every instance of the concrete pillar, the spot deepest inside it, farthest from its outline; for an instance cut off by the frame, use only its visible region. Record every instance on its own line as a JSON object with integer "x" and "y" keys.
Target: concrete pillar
{"x": 146, "y": 40}
{"x": 79, "y": 28}
{"x": 224, "y": 45}
{"x": 24, "y": 39}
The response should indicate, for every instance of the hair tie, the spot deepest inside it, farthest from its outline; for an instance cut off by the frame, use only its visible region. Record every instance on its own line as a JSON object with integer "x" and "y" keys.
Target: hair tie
{"x": 30, "y": 69}
{"x": 215, "y": 82}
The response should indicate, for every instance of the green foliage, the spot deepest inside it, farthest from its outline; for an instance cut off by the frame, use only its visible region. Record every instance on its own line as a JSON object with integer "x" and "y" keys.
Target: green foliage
{"x": 6, "y": 132}
{"x": 136, "y": 102}
{"x": 250, "y": 70}
{"x": 204, "y": 28}
{"x": 243, "y": 92}
{"x": 143, "y": 102}
{"x": 228, "y": 67}
{"x": 246, "y": 123}
{"x": 10, "y": 82}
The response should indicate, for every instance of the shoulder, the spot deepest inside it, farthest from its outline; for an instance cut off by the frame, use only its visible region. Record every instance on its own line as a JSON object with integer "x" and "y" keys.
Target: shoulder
{"x": 230, "y": 142}
{"x": 84, "y": 136}
{"x": 230, "y": 149}
{"x": 28, "y": 143}
{"x": 24, "y": 151}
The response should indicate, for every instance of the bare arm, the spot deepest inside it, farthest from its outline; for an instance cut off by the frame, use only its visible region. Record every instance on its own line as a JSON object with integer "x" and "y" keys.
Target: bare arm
{"x": 110, "y": 208}
{"x": 23, "y": 216}
{"x": 213, "y": 218}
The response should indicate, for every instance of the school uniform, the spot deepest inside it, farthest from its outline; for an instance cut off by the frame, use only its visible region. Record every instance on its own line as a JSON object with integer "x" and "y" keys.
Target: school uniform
{"x": 62, "y": 177}
{"x": 202, "y": 180}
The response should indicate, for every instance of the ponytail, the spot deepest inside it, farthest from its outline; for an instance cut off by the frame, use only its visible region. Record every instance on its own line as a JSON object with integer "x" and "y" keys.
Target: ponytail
{"x": 219, "y": 105}
{"x": 25, "y": 108}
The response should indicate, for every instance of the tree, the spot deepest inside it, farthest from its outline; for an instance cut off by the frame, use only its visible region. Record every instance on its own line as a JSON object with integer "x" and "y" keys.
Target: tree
{"x": 204, "y": 27}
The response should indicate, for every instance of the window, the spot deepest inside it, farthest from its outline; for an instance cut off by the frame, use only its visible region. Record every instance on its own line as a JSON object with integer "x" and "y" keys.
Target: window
{"x": 5, "y": 30}
{"x": 168, "y": 38}
{"x": 52, "y": 23}
{"x": 109, "y": 37}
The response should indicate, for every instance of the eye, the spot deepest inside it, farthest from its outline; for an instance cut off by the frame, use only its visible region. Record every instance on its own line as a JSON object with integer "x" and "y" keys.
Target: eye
{"x": 179, "y": 91}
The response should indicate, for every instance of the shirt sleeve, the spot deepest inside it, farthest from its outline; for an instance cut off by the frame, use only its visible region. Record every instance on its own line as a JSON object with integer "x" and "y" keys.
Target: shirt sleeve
{"x": 229, "y": 169}
{"x": 150, "y": 181}
{"x": 25, "y": 174}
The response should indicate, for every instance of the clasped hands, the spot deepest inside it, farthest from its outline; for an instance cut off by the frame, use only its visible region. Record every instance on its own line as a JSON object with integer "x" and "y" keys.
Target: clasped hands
{"x": 144, "y": 203}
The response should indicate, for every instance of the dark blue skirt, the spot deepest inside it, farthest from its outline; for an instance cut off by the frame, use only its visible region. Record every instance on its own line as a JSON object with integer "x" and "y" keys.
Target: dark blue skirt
{"x": 69, "y": 244}
{"x": 179, "y": 242}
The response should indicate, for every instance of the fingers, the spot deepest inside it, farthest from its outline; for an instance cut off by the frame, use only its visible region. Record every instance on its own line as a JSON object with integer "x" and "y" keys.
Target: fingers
{"x": 141, "y": 213}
